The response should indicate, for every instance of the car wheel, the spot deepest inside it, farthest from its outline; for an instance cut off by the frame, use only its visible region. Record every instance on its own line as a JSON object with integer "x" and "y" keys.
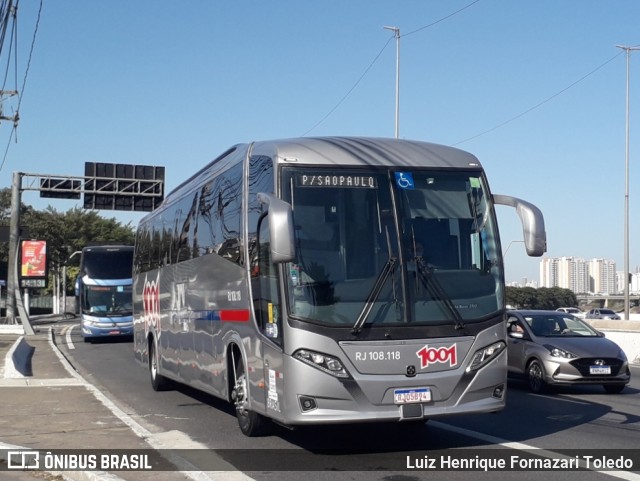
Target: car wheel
{"x": 613, "y": 388}
{"x": 535, "y": 375}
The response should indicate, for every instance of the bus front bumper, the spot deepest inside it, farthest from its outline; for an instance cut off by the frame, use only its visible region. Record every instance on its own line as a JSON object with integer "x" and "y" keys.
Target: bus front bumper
{"x": 323, "y": 400}
{"x": 97, "y": 328}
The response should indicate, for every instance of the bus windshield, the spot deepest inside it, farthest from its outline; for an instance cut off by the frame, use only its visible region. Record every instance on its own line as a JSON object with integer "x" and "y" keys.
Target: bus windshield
{"x": 384, "y": 247}
{"x": 107, "y": 263}
{"x": 105, "y": 281}
{"x": 107, "y": 300}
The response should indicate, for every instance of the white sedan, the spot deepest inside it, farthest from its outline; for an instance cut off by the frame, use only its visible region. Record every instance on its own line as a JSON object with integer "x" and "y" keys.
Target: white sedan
{"x": 574, "y": 311}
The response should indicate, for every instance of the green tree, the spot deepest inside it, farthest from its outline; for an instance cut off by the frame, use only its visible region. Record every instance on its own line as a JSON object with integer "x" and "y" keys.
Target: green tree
{"x": 521, "y": 297}
{"x": 5, "y": 217}
{"x": 541, "y": 298}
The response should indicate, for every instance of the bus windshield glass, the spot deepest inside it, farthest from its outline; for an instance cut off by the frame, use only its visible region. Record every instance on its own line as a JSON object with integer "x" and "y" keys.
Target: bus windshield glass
{"x": 107, "y": 300}
{"x": 386, "y": 247}
{"x": 108, "y": 263}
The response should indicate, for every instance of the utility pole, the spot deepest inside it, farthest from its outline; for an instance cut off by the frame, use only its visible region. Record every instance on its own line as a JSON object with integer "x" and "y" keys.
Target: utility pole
{"x": 14, "y": 300}
{"x": 628, "y": 51}
{"x": 396, "y": 32}
{"x": 15, "y": 116}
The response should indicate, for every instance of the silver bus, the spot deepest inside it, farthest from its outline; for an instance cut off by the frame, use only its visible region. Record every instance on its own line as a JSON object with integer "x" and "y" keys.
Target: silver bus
{"x": 330, "y": 280}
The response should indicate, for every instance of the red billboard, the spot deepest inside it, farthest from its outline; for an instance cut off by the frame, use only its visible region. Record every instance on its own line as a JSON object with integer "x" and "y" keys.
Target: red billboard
{"x": 33, "y": 261}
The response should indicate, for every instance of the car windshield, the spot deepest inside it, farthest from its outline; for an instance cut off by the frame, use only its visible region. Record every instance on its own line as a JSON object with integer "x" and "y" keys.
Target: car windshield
{"x": 544, "y": 325}
{"x": 379, "y": 247}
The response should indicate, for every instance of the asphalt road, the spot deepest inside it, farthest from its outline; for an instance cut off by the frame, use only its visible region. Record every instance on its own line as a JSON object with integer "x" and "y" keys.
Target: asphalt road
{"x": 573, "y": 418}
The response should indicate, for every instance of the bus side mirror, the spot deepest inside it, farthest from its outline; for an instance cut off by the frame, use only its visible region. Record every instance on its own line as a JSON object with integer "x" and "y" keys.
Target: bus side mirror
{"x": 535, "y": 236}
{"x": 280, "y": 228}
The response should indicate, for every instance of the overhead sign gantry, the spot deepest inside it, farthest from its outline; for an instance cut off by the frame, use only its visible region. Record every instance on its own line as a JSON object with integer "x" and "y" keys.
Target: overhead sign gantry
{"x": 124, "y": 187}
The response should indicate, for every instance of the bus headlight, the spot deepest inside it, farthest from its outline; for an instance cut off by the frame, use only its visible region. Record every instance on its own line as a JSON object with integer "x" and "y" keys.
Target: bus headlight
{"x": 329, "y": 364}
{"x": 485, "y": 355}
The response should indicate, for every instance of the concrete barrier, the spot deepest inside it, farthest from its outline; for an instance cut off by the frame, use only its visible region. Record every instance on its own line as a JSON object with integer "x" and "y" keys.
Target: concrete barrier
{"x": 18, "y": 360}
{"x": 625, "y": 334}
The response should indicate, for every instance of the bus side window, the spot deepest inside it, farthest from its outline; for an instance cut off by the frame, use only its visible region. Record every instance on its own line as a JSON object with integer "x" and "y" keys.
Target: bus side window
{"x": 264, "y": 280}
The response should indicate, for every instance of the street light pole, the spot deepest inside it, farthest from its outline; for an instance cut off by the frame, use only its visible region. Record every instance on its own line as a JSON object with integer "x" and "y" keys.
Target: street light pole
{"x": 396, "y": 32}
{"x": 509, "y": 246}
{"x": 64, "y": 281}
{"x": 628, "y": 51}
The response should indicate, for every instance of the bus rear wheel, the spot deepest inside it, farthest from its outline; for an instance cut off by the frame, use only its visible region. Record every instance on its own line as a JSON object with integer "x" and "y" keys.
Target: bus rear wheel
{"x": 251, "y": 423}
{"x": 158, "y": 381}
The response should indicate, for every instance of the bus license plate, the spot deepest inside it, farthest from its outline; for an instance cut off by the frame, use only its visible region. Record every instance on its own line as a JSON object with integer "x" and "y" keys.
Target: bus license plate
{"x": 417, "y": 395}
{"x": 599, "y": 369}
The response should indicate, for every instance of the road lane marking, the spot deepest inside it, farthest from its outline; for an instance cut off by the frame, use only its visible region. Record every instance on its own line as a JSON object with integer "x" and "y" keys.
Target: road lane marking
{"x": 158, "y": 441}
{"x": 67, "y": 334}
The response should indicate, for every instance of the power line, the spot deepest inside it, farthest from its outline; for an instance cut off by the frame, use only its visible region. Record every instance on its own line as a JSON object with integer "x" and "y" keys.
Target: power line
{"x": 376, "y": 59}
{"x": 540, "y": 104}
{"x": 7, "y": 12}
{"x": 442, "y": 19}
{"x": 350, "y": 90}
{"x": 24, "y": 83}
{"x": 33, "y": 42}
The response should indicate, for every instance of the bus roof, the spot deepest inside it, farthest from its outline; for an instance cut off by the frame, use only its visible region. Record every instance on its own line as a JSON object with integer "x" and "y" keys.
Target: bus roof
{"x": 370, "y": 151}
{"x": 343, "y": 151}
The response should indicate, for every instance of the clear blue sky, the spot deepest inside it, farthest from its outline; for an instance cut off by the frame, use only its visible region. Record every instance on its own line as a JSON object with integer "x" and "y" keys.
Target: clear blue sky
{"x": 535, "y": 89}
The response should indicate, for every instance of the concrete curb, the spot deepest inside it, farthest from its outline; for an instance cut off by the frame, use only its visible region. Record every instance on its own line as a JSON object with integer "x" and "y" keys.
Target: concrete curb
{"x": 11, "y": 329}
{"x": 17, "y": 362}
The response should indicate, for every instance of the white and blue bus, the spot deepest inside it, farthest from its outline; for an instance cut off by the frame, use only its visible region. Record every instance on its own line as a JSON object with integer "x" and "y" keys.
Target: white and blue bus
{"x": 103, "y": 290}
{"x": 330, "y": 280}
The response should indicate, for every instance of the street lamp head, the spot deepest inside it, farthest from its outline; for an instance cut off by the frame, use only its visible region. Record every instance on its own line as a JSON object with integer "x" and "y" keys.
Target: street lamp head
{"x": 627, "y": 48}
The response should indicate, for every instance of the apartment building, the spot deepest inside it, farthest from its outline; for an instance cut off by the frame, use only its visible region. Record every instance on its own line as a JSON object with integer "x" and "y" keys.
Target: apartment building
{"x": 597, "y": 276}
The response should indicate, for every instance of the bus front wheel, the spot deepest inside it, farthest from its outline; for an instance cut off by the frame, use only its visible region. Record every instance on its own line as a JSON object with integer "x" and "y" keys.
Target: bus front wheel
{"x": 251, "y": 423}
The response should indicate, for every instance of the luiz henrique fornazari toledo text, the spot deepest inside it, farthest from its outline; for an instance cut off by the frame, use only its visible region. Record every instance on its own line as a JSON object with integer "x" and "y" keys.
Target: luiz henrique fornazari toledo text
{"x": 517, "y": 462}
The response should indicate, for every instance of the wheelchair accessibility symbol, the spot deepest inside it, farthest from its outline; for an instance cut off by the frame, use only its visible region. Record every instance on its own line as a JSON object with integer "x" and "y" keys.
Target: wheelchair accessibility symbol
{"x": 404, "y": 180}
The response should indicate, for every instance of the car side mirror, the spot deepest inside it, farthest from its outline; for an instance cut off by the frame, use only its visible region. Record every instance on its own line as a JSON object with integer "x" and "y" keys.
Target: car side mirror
{"x": 516, "y": 335}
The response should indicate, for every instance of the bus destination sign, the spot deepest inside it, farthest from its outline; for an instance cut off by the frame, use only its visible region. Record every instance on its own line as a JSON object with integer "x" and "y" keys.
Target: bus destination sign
{"x": 343, "y": 181}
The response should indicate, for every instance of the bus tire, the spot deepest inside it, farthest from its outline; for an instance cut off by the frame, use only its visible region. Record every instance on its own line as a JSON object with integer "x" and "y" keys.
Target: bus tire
{"x": 251, "y": 423}
{"x": 158, "y": 381}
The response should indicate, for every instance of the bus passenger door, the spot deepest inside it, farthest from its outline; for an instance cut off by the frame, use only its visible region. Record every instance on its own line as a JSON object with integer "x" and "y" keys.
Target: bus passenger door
{"x": 269, "y": 311}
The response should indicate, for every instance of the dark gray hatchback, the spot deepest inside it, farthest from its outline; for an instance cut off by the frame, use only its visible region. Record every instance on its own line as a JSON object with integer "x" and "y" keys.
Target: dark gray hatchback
{"x": 556, "y": 348}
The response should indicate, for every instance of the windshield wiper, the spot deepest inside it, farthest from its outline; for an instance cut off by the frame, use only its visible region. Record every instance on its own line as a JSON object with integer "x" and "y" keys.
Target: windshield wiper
{"x": 437, "y": 292}
{"x": 386, "y": 271}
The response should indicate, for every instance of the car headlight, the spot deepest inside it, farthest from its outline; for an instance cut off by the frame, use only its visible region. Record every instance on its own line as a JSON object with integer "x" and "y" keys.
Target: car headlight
{"x": 557, "y": 352}
{"x": 622, "y": 355}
